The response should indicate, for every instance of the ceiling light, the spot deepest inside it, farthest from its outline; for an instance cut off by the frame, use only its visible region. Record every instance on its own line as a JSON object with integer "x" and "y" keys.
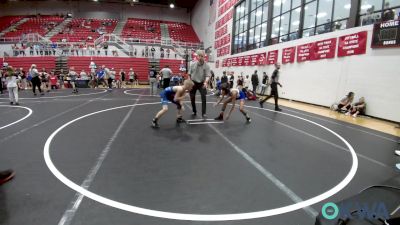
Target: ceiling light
{"x": 296, "y": 23}
{"x": 172, "y": 5}
{"x": 322, "y": 14}
{"x": 366, "y": 6}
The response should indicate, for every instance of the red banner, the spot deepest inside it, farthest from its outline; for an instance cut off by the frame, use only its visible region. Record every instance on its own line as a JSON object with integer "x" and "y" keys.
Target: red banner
{"x": 288, "y": 55}
{"x": 272, "y": 57}
{"x": 247, "y": 60}
{"x": 223, "y": 51}
{"x": 353, "y": 44}
{"x": 223, "y": 41}
{"x": 304, "y": 52}
{"x": 324, "y": 49}
{"x": 226, "y": 7}
{"x": 223, "y": 30}
{"x": 224, "y": 19}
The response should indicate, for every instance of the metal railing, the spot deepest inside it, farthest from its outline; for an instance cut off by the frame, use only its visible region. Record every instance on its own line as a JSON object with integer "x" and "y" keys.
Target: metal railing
{"x": 105, "y": 37}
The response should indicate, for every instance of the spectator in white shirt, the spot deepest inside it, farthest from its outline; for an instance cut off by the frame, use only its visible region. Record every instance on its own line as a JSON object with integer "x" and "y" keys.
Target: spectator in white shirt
{"x": 12, "y": 86}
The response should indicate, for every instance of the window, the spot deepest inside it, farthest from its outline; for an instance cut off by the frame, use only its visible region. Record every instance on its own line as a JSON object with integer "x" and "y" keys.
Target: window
{"x": 240, "y": 27}
{"x": 322, "y": 16}
{"x": 286, "y": 20}
{"x": 310, "y": 13}
{"x": 251, "y": 26}
{"x": 373, "y": 11}
{"x": 318, "y": 17}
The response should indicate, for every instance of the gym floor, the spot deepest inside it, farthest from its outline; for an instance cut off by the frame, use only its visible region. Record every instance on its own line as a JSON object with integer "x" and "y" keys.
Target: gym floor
{"x": 93, "y": 159}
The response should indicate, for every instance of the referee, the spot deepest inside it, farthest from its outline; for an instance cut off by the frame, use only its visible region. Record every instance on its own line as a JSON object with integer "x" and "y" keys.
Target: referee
{"x": 274, "y": 88}
{"x": 199, "y": 73}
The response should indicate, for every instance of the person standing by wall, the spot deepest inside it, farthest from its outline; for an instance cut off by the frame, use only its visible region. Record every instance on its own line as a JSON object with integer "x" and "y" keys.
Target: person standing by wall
{"x": 264, "y": 83}
{"x": 166, "y": 73}
{"x": 199, "y": 73}
{"x": 274, "y": 88}
{"x": 254, "y": 81}
{"x": 153, "y": 80}
{"x": 231, "y": 79}
{"x": 224, "y": 78}
{"x": 123, "y": 76}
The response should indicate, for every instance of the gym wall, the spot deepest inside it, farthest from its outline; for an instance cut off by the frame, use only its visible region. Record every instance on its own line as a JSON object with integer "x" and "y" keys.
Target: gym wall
{"x": 374, "y": 75}
{"x": 89, "y": 9}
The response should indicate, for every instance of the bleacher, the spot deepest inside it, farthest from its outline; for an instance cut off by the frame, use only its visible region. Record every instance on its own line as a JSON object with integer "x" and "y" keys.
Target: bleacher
{"x": 139, "y": 65}
{"x": 47, "y": 62}
{"x": 182, "y": 32}
{"x": 87, "y": 30}
{"x": 40, "y": 25}
{"x": 173, "y": 64}
{"x": 7, "y": 21}
{"x": 142, "y": 29}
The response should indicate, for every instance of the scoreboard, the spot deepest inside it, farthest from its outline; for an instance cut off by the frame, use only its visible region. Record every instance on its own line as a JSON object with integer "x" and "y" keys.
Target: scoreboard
{"x": 386, "y": 34}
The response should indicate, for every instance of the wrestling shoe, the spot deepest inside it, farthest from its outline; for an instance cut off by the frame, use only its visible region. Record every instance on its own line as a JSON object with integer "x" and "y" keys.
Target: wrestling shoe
{"x": 154, "y": 124}
{"x": 220, "y": 117}
{"x": 180, "y": 120}
{"x": 6, "y": 176}
{"x": 248, "y": 119}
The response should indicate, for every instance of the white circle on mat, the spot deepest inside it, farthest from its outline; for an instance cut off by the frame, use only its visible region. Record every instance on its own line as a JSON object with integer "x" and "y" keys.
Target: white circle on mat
{"x": 23, "y": 118}
{"x": 199, "y": 217}
{"x": 64, "y": 96}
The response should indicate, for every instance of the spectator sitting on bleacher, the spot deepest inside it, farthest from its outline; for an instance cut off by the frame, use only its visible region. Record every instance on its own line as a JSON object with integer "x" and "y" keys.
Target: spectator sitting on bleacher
{"x": 358, "y": 108}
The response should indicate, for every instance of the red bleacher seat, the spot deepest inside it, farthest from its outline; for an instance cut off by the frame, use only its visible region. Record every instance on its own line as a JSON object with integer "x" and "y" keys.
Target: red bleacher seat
{"x": 139, "y": 65}
{"x": 40, "y": 25}
{"x": 79, "y": 30}
{"x": 47, "y": 62}
{"x": 173, "y": 64}
{"x": 182, "y": 32}
{"x": 142, "y": 29}
{"x": 6, "y": 21}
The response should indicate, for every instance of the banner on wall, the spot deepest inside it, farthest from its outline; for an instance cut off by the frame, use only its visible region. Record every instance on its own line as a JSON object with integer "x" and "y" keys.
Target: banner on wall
{"x": 247, "y": 60}
{"x": 272, "y": 57}
{"x": 304, "y": 52}
{"x": 324, "y": 49}
{"x": 353, "y": 44}
{"x": 288, "y": 55}
{"x": 386, "y": 34}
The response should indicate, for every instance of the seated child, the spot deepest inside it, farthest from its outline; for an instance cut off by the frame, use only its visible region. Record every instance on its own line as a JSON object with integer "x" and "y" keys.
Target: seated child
{"x": 175, "y": 95}
{"x": 358, "y": 108}
{"x": 232, "y": 95}
{"x": 345, "y": 103}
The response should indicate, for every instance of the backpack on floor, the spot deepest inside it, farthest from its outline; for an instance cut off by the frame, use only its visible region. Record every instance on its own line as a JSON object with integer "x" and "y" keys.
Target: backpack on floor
{"x": 250, "y": 96}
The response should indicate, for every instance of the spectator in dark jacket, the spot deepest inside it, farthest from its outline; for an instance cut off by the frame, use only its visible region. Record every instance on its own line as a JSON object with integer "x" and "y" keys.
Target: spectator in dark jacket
{"x": 224, "y": 78}
{"x": 254, "y": 81}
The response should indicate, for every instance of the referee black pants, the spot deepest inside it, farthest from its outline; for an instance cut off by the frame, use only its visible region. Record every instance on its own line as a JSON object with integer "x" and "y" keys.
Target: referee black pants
{"x": 274, "y": 92}
{"x": 203, "y": 92}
